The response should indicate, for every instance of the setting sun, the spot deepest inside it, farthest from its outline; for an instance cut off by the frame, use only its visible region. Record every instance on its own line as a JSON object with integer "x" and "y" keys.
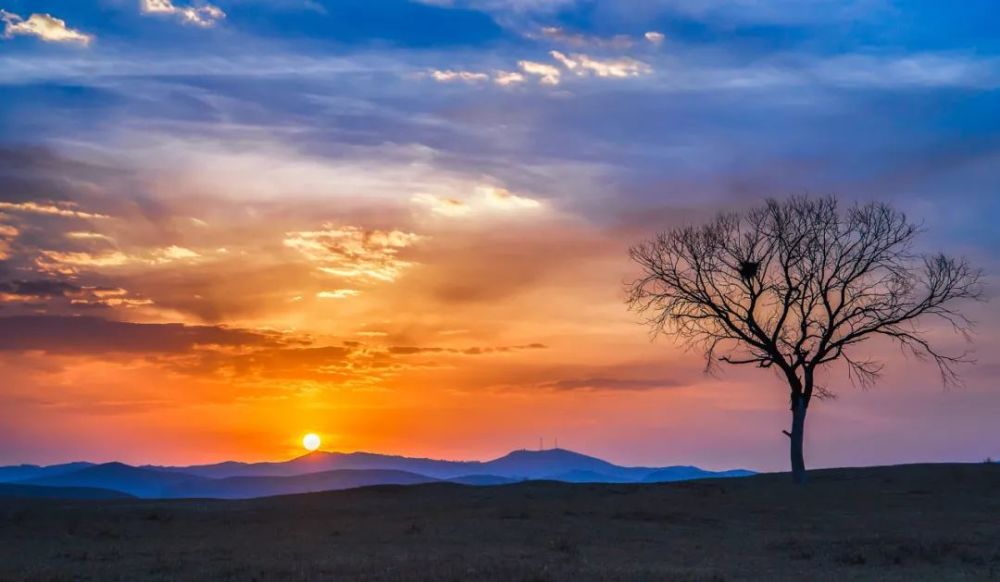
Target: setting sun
{"x": 311, "y": 442}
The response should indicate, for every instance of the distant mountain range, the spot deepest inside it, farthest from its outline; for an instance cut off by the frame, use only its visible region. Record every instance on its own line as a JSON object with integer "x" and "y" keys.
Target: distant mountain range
{"x": 322, "y": 471}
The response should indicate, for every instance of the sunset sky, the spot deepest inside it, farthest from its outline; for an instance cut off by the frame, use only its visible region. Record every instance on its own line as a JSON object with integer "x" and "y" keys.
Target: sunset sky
{"x": 403, "y": 225}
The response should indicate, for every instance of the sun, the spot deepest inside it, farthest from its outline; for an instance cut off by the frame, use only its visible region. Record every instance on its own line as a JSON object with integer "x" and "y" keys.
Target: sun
{"x": 311, "y": 441}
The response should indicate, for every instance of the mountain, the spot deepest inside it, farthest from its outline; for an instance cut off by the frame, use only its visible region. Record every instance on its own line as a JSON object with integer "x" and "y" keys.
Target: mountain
{"x": 120, "y": 477}
{"x": 322, "y": 471}
{"x": 322, "y": 461}
{"x": 17, "y": 491}
{"x": 153, "y": 484}
{"x": 22, "y": 472}
{"x": 553, "y": 464}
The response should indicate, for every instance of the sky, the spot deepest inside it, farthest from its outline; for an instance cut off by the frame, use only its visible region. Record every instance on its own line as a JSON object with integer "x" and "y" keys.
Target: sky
{"x": 403, "y": 225}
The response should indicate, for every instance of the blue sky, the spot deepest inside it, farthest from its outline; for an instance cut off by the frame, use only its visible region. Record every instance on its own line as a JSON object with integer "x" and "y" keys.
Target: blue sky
{"x": 191, "y": 138}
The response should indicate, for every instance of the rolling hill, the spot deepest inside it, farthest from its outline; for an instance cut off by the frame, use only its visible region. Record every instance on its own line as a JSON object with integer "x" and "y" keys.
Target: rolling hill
{"x": 23, "y": 472}
{"x": 135, "y": 481}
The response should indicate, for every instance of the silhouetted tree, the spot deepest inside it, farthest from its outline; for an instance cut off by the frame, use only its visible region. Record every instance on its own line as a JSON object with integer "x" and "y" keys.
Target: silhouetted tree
{"x": 797, "y": 285}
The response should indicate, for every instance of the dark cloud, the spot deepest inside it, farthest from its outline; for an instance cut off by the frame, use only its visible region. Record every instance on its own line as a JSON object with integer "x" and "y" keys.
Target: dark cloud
{"x": 93, "y": 335}
{"x": 39, "y": 288}
{"x": 221, "y": 352}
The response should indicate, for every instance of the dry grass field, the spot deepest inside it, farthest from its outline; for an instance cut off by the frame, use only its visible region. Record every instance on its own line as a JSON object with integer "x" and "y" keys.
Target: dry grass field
{"x": 919, "y": 522}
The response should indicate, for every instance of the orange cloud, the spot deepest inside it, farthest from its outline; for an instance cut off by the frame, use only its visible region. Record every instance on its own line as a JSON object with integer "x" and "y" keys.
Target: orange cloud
{"x": 353, "y": 252}
{"x": 58, "y": 260}
{"x": 7, "y": 235}
{"x": 484, "y": 199}
{"x": 338, "y": 294}
{"x": 50, "y": 209}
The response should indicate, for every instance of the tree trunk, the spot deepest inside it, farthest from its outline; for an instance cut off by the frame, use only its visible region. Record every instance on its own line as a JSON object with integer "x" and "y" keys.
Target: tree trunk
{"x": 795, "y": 436}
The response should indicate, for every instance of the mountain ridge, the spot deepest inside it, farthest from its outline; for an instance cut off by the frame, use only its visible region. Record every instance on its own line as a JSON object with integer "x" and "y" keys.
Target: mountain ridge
{"x": 517, "y": 464}
{"x": 322, "y": 471}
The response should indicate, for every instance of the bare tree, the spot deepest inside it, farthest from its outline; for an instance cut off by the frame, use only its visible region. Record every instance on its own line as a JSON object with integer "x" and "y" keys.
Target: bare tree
{"x": 798, "y": 285}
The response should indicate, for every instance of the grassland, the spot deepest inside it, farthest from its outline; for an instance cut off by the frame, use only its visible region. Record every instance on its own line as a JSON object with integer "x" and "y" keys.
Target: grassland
{"x": 919, "y": 522}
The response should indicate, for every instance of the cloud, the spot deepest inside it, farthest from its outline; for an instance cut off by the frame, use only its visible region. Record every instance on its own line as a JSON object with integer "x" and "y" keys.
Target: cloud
{"x": 44, "y": 26}
{"x": 507, "y": 78}
{"x": 484, "y": 199}
{"x": 95, "y": 335}
{"x": 561, "y": 35}
{"x": 582, "y": 64}
{"x": 65, "y": 209}
{"x": 52, "y": 293}
{"x": 54, "y": 261}
{"x": 51, "y": 261}
{"x": 36, "y": 289}
{"x": 205, "y": 15}
{"x": 7, "y": 235}
{"x": 472, "y": 351}
{"x": 578, "y": 63}
{"x": 338, "y": 294}
{"x": 448, "y": 76}
{"x": 110, "y": 298}
{"x": 606, "y": 383}
{"x": 548, "y": 75}
{"x": 87, "y": 235}
{"x": 442, "y": 205}
{"x": 173, "y": 253}
{"x": 503, "y": 198}
{"x": 655, "y": 37}
{"x": 353, "y": 252}
{"x": 502, "y": 78}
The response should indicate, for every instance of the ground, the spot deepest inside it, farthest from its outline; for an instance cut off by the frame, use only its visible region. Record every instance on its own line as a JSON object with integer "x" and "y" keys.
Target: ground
{"x": 918, "y": 522}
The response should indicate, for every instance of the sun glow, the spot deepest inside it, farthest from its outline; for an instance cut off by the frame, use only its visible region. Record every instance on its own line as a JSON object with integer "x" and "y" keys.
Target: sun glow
{"x": 311, "y": 442}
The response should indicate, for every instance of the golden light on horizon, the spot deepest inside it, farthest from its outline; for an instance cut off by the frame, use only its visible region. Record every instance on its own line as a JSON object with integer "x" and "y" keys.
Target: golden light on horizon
{"x": 311, "y": 442}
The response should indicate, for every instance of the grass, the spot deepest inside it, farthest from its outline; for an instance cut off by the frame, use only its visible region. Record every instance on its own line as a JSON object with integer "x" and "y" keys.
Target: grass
{"x": 919, "y": 522}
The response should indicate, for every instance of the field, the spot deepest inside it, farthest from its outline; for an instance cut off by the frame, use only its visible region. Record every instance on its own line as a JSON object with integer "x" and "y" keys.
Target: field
{"x": 918, "y": 522}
